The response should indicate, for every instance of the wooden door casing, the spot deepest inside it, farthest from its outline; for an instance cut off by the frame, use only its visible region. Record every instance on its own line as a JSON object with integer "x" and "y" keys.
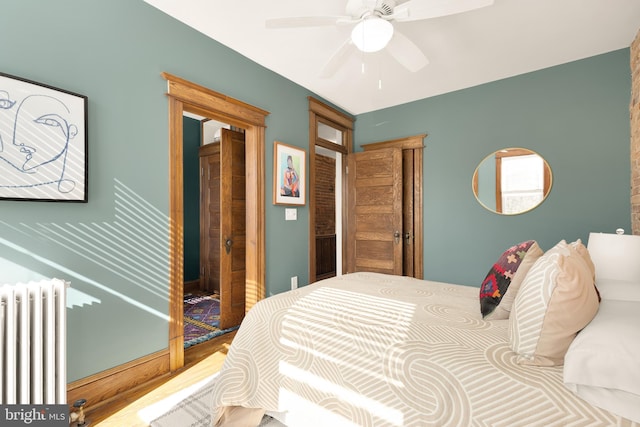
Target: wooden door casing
{"x": 408, "y": 190}
{"x": 375, "y": 207}
{"x": 185, "y": 96}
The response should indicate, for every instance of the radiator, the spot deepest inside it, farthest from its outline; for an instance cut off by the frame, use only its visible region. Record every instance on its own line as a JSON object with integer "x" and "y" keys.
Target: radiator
{"x": 33, "y": 367}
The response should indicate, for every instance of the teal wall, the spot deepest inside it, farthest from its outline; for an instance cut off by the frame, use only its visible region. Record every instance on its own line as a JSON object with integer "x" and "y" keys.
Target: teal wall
{"x": 575, "y": 115}
{"x": 487, "y": 182}
{"x": 114, "y": 249}
{"x": 191, "y": 137}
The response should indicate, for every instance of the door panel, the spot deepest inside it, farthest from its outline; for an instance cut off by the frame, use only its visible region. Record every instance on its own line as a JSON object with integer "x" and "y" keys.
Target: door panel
{"x": 232, "y": 228}
{"x": 375, "y": 203}
{"x": 210, "y": 217}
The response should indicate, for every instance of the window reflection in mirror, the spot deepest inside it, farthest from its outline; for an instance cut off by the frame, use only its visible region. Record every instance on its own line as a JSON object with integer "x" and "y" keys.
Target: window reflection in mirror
{"x": 512, "y": 181}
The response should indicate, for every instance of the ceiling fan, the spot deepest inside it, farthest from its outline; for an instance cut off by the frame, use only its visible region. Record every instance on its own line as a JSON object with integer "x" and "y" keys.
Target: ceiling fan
{"x": 374, "y": 29}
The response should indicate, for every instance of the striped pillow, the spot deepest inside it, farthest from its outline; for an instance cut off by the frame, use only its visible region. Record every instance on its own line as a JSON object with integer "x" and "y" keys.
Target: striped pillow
{"x": 556, "y": 300}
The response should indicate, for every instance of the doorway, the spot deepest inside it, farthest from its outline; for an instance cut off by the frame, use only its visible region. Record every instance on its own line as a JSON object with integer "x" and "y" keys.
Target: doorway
{"x": 330, "y": 141}
{"x": 187, "y": 96}
{"x": 214, "y": 213}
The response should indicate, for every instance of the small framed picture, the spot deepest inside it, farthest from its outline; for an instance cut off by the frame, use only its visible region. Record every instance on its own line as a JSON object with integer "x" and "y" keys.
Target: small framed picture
{"x": 289, "y": 169}
{"x": 43, "y": 142}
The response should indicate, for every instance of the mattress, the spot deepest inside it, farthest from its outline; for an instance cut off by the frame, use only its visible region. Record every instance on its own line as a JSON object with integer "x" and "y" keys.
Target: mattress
{"x": 368, "y": 349}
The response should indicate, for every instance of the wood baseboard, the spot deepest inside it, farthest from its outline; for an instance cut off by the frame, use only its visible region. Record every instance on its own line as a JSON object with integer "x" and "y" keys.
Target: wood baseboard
{"x": 98, "y": 389}
{"x": 192, "y": 286}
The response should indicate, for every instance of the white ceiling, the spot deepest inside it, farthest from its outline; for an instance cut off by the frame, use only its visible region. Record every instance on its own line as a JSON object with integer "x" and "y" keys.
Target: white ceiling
{"x": 510, "y": 37}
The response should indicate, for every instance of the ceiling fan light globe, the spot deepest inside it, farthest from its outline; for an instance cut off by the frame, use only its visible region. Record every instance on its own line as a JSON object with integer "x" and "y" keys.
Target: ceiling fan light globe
{"x": 372, "y": 34}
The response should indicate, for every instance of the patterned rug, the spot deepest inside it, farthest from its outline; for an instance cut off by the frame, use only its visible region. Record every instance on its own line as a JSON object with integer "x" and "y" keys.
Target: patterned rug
{"x": 201, "y": 319}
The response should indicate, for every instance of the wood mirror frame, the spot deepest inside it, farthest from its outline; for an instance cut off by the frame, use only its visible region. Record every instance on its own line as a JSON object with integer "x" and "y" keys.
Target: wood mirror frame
{"x": 487, "y": 182}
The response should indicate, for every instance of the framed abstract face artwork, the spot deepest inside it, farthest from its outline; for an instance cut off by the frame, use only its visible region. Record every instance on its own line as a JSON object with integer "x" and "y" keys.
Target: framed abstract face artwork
{"x": 43, "y": 142}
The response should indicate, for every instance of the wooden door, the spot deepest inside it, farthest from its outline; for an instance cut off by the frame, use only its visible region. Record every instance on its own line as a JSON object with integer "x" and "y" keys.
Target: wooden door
{"x": 210, "y": 217}
{"x": 375, "y": 205}
{"x": 412, "y": 150}
{"x": 223, "y": 230}
{"x": 232, "y": 228}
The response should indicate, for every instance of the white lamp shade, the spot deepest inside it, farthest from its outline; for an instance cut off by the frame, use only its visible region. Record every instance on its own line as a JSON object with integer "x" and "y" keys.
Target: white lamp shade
{"x": 616, "y": 257}
{"x": 372, "y": 34}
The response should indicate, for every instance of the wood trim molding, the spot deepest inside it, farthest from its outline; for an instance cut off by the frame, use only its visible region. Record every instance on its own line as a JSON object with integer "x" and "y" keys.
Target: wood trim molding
{"x": 192, "y": 285}
{"x": 210, "y": 100}
{"x": 410, "y": 142}
{"x": 329, "y": 113}
{"x": 187, "y": 96}
{"x": 320, "y": 112}
{"x": 418, "y": 219}
{"x": 176, "y": 233}
{"x": 98, "y": 389}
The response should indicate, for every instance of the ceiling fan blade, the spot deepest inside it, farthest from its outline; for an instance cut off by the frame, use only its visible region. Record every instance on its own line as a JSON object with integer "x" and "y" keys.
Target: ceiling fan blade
{"x": 337, "y": 59}
{"x": 415, "y": 10}
{"x": 406, "y": 52}
{"x": 305, "y": 21}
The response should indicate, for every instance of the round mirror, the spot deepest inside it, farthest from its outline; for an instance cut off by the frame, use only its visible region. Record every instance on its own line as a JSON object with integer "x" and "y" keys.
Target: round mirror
{"x": 512, "y": 181}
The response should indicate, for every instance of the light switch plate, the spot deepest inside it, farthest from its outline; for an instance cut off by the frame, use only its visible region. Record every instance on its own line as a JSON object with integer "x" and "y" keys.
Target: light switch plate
{"x": 290, "y": 214}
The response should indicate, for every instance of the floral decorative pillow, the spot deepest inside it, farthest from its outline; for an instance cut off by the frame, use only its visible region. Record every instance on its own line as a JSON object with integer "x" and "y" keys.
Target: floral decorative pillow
{"x": 500, "y": 286}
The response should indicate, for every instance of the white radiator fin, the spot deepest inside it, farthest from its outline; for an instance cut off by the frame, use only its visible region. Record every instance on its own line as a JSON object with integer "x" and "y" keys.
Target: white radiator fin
{"x": 33, "y": 343}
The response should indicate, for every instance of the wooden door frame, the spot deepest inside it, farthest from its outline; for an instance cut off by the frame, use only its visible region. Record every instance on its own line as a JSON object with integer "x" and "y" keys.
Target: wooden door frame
{"x": 321, "y": 112}
{"x": 187, "y": 96}
{"x": 415, "y": 143}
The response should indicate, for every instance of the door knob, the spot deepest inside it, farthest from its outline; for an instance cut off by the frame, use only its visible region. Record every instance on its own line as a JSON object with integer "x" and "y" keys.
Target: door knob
{"x": 396, "y": 236}
{"x": 227, "y": 244}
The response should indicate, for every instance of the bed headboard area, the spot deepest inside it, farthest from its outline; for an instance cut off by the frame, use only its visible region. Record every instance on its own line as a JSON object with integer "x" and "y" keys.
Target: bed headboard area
{"x": 601, "y": 365}
{"x": 615, "y": 256}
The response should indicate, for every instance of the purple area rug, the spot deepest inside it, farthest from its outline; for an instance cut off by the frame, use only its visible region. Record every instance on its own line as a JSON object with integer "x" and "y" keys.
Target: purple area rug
{"x": 201, "y": 319}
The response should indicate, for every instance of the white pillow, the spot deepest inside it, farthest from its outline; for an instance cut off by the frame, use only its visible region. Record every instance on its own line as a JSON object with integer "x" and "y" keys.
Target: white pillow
{"x": 621, "y": 290}
{"x": 601, "y": 365}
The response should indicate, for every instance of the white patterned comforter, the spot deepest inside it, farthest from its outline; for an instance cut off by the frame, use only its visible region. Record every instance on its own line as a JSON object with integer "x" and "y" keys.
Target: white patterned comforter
{"x": 368, "y": 349}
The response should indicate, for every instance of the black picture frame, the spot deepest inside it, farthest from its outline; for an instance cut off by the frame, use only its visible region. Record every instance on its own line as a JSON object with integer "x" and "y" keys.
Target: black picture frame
{"x": 43, "y": 142}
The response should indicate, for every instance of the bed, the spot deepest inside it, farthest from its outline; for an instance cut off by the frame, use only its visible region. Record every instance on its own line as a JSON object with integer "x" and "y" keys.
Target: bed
{"x": 368, "y": 349}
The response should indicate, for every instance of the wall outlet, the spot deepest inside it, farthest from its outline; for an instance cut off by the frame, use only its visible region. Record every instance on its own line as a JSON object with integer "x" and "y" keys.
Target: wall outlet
{"x": 294, "y": 282}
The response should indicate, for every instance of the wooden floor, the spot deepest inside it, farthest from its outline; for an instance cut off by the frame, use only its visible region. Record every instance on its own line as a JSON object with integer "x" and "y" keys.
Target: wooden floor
{"x": 201, "y": 361}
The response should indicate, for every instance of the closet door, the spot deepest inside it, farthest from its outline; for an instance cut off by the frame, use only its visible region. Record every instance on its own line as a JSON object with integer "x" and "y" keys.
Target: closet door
{"x": 375, "y": 206}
